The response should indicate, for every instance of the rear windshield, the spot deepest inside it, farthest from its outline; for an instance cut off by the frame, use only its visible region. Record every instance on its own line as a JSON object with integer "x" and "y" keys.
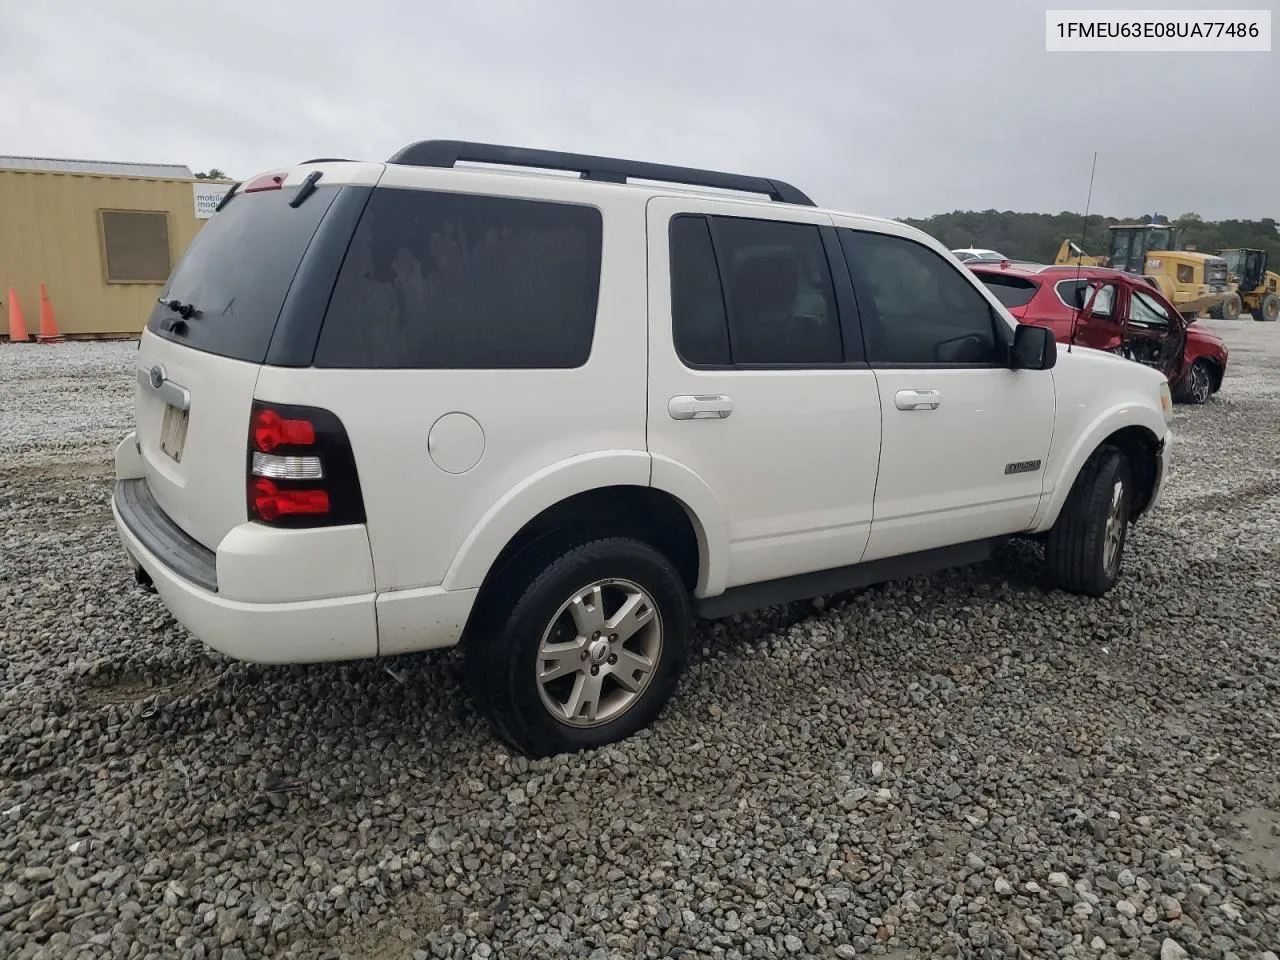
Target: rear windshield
{"x": 1011, "y": 291}
{"x": 237, "y": 271}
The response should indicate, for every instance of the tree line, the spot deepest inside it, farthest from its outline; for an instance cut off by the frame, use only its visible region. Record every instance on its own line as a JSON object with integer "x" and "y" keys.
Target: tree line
{"x": 1037, "y": 236}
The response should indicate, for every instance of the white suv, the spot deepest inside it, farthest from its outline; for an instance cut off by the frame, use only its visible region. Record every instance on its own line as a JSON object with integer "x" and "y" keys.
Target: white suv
{"x": 387, "y": 407}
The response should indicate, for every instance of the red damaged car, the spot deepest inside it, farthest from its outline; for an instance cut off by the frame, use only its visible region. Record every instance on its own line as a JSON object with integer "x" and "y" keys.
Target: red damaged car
{"x": 1113, "y": 311}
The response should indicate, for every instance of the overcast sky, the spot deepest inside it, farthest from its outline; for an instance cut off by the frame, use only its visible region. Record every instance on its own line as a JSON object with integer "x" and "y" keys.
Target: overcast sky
{"x": 901, "y": 108}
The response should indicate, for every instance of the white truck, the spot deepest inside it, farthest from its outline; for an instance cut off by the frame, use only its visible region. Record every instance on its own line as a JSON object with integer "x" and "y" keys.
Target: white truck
{"x": 461, "y": 397}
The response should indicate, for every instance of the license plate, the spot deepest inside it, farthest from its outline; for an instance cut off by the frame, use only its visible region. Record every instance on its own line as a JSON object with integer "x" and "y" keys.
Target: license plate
{"x": 173, "y": 432}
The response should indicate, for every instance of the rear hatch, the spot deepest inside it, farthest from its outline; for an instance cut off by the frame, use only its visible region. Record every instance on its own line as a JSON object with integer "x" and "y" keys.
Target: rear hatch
{"x": 203, "y": 346}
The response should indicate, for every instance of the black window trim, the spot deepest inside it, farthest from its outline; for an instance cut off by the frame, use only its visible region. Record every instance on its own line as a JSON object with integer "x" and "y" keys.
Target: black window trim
{"x": 866, "y": 305}
{"x": 852, "y": 346}
{"x": 297, "y": 329}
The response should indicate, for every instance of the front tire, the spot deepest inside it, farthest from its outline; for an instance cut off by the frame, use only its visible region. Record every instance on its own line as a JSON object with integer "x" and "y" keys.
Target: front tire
{"x": 1268, "y": 308}
{"x": 1197, "y": 386}
{"x": 589, "y": 649}
{"x": 1228, "y": 309}
{"x": 1085, "y": 549}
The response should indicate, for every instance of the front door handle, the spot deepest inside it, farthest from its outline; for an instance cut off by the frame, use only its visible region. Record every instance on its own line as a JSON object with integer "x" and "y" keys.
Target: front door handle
{"x": 917, "y": 399}
{"x": 701, "y": 407}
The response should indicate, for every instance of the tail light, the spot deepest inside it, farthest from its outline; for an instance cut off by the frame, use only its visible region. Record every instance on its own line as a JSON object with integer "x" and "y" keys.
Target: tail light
{"x": 301, "y": 470}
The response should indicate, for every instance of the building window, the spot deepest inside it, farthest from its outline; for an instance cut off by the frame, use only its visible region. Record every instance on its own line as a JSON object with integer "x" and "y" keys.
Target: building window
{"x": 135, "y": 246}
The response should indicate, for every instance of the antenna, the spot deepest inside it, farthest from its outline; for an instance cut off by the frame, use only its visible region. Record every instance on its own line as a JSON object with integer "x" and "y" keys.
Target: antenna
{"x": 1084, "y": 229}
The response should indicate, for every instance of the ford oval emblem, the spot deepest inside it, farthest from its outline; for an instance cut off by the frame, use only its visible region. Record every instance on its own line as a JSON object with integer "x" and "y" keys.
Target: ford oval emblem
{"x": 157, "y": 376}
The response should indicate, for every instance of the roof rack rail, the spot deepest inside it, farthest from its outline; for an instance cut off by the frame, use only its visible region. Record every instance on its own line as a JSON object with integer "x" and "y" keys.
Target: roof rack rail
{"x": 448, "y": 153}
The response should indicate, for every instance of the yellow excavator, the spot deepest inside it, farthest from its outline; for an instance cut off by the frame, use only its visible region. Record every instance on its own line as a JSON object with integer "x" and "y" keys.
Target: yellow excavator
{"x": 1253, "y": 286}
{"x": 1192, "y": 282}
{"x": 1070, "y": 255}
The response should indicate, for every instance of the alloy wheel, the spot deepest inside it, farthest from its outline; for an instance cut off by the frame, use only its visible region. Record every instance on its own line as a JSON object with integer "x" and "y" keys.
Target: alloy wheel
{"x": 1200, "y": 386}
{"x": 1113, "y": 536}
{"x": 599, "y": 653}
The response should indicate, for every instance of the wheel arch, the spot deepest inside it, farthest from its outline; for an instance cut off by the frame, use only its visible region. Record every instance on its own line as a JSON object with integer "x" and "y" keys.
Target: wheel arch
{"x": 623, "y": 493}
{"x": 1135, "y": 431}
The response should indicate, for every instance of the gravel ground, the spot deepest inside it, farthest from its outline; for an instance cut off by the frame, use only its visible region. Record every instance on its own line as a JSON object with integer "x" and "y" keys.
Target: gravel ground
{"x": 962, "y": 765}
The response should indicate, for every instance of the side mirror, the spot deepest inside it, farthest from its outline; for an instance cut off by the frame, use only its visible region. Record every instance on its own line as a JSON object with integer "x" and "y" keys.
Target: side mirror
{"x": 1034, "y": 348}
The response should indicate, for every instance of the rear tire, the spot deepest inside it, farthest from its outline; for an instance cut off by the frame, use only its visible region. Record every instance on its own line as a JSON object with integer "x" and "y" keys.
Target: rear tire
{"x": 1085, "y": 549}
{"x": 1268, "y": 309}
{"x": 551, "y": 669}
{"x": 1197, "y": 386}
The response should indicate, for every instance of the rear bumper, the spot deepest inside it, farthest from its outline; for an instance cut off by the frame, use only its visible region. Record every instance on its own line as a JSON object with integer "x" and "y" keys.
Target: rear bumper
{"x": 278, "y": 596}
{"x": 260, "y": 597}
{"x": 301, "y": 631}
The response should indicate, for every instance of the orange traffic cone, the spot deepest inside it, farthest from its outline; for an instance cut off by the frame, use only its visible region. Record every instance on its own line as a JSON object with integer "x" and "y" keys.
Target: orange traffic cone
{"x": 48, "y": 329}
{"x": 17, "y": 325}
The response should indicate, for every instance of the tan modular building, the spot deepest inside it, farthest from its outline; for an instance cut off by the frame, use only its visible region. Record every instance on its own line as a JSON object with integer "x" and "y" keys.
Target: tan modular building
{"x": 101, "y": 236}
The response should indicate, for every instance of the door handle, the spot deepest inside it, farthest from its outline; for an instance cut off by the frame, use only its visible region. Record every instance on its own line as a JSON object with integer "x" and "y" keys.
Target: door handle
{"x": 157, "y": 381}
{"x": 917, "y": 399}
{"x": 701, "y": 407}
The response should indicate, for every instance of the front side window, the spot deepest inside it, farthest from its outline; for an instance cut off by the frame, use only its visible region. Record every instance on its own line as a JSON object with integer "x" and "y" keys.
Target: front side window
{"x": 1147, "y": 312}
{"x": 752, "y": 292}
{"x": 437, "y": 280}
{"x": 926, "y": 312}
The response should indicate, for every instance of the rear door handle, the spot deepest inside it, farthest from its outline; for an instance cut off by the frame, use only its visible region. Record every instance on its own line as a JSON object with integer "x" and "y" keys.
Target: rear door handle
{"x": 917, "y": 399}
{"x": 701, "y": 407}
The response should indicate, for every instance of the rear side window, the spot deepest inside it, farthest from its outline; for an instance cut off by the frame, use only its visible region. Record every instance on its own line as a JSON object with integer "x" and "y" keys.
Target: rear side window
{"x": 699, "y": 321}
{"x": 237, "y": 271}
{"x": 1011, "y": 291}
{"x": 457, "y": 281}
{"x": 1076, "y": 293}
{"x": 752, "y": 292}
